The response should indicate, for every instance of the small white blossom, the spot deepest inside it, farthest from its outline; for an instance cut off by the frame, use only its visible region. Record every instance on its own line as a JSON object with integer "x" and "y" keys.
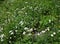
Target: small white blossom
{"x": 2, "y": 35}
{"x": 26, "y": 28}
{"x": 49, "y": 21}
{"x": 29, "y": 34}
{"x": 38, "y": 33}
{"x": 48, "y": 28}
{"x": 2, "y": 39}
{"x": 24, "y": 33}
{"x": 26, "y": 2}
{"x": 52, "y": 35}
{"x": 25, "y": 13}
{"x": 30, "y": 30}
{"x": 43, "y": 31}
{"x": 16, "y": 30}
{"x": 23, "y": 8}
{"x": 21, "y": 22}
{"x": 12, "y": 33}
{"x": 10, "y": 37}
{"x": 34, "y": 28}
{"x": 9, "y": 41}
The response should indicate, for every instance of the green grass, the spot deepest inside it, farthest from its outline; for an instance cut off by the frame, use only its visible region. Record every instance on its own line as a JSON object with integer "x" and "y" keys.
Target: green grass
{"x": 30, "y": 22}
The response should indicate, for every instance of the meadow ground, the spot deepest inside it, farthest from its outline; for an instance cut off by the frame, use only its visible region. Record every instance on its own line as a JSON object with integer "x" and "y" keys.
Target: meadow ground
{"x": 29, "y": 21}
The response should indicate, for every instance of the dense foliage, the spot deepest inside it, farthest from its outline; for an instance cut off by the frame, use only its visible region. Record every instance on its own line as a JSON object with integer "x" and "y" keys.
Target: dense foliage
{"x": 29, "y": 21}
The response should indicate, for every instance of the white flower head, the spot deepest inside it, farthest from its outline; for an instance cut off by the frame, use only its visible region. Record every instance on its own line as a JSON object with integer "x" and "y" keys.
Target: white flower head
{"x": 9, "y": 41}
{"x": 2, "y": 39}
{"x": 48, "y": 28}
{"x": 31, "y": 29}
{"x": 26, "y": 28}
{"x": 24, "y": 33}
{"x": 38, "y": 33}
{"x": 23, "y": 8}
{"x": 34, "y": 28}
{"x": 21, "y": 22}
{"x": 10, "y": 37}
{"x": 16, "y": 30}
{"x": 43, "y": 31}
{"x": 2, "y": 35}
{"x": 12, "y": 33}
{"x": 49, "y": 21}
{"x": 26, "y": 13}
{"x": 29, "y": 34}
{"x": 26, "y": 2}
{"x": 52, "y": 35}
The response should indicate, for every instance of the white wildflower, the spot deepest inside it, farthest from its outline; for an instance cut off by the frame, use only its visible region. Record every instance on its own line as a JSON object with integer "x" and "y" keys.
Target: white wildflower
{"x": 16, "y": 30}
{"x": 34, "y": 28}
{"x": 26, "y": 28}
{"x": 23, "y": 8}
{"x": 26, "y": 2}
{"x": 38, "y": 33}
{"x": 29, "y": 34}
{"x": 30, "y": 30}
{"x": 24, "y": 33}
{"x": 10, "y": 37}
{"x": 12, "y": 33}
{"x": 43, "y": 31}
{"x": 52, "y": 35}
{"x": 48, "y": 28}
{"x": 2, "y": 35}
{"x": 49, "y": 21}
{"x": 25, "y": 13}
{"x": 2, "y": 39}
{"x": 21, "y": 22}
{"x": 9, "y": 41}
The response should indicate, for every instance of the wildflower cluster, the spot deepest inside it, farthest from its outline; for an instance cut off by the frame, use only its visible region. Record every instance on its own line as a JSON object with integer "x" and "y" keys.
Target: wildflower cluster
{"x": 30, "y": 22}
